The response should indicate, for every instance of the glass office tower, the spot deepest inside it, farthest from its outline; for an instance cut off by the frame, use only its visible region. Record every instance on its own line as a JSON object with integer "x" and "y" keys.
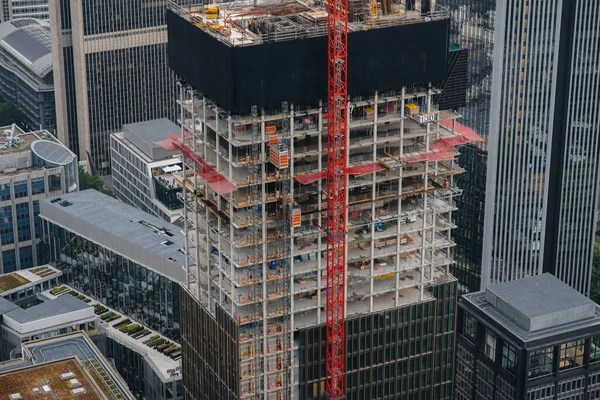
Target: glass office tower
{"x": 542, "y": 178}
{"x": 472, "y": 28}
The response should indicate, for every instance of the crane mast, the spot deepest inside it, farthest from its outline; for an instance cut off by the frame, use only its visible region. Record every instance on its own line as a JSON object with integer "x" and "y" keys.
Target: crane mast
{"x": 337, "y": 91}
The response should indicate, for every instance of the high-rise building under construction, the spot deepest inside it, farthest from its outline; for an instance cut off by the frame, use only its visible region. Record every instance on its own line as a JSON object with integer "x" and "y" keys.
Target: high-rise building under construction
{"x": 254, "y": 147}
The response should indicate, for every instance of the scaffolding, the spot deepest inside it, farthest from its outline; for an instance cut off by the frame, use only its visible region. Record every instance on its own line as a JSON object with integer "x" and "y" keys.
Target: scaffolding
{"x": 258, "y": 251}
{"x": 248, "y": 23}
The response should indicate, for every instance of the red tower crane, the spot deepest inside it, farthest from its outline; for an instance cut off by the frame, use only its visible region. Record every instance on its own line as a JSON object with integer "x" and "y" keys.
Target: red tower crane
{"x": 337, "y": 91}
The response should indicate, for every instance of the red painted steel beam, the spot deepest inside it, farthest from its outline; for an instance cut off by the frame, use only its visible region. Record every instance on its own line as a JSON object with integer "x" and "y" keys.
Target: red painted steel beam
{"x": 337, "y": 41}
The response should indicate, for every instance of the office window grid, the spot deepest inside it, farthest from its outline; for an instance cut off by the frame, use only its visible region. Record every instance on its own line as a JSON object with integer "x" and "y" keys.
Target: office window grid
{"x": 543, "y": 392}
{"x": 116, "y": 281}
{"x": 580, "y": 180}
{"x": 522, "y": 125}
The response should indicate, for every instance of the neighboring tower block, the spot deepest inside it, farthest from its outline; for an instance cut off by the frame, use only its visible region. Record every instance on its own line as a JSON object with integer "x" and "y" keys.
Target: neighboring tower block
{"x": 533, "y": 338}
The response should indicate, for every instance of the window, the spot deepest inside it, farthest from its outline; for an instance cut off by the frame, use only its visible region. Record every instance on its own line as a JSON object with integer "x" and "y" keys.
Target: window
{"x": 469, "y": 327}
{"x": 541, "y": 363}
{"x": 509, "y": 358}
{"x": 594, "y": 349}
{"x": 490, "y": 345}
{"x": 571, "y": 355}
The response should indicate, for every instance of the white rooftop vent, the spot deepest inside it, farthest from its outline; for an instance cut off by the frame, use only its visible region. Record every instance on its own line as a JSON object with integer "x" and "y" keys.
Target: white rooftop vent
{"x": 46, "y": 389}
{"x": 36, "y": 390}
{"x": 74, "y": 382}
{"x": 15, "y": 396}
{"x": 78, "y": 390}
{"x": 67, "y": 375}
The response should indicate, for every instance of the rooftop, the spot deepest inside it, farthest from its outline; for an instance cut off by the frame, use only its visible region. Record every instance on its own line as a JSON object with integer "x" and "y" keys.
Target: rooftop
{"x": 80, "y": 347}
{"x": 535, "y": 307}
{"x": 19, "y": 280}
{"x": 64, "y": 379}
{"x": 28, "y": 41}
{"x": 246, "y": 23}
{"x": 52, "y": 308}
{"x": 144, "y": 342}
{"x": 6, "y": 306}
{"x": 16, "y": 150}
{"x": 144, "y": 136}
{"x": 134, "y": 234}
{"x": 52, "y": 152}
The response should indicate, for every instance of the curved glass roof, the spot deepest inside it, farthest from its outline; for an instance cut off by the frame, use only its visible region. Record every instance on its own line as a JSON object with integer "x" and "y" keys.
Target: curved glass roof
{"x": 28, "y": 40}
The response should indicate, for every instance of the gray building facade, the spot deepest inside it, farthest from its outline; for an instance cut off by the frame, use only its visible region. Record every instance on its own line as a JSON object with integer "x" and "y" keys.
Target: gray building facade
{"x": 116, "y": 254}
{"x": 26, "y": 78}
{"x": 141, "y": 169}
{"x": 532, "y": 338}
{"x": 18, "y": 9}
{"x": 110, "y": 63}
{"x": 34, "y": 166}
{"x": 542, "y": 179}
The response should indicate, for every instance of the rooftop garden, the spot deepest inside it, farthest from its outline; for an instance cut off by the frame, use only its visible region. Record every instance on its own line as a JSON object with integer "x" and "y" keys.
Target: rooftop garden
{"x": 43, "y": 272}
{"x": 29, "y": 381}
{"x": 11, "y": 281}
{"x": 104, "y": 381}
{"x": 57, "y": 291}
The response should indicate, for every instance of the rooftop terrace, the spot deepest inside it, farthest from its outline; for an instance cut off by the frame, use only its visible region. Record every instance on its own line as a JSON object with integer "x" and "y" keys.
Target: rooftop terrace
{"x": 64, "y": 379}
{"x": 14, "y": 281}
{"x": 161, "y": 353}
{"x": 79, "y": 347}
{"x": 245, "y": 23}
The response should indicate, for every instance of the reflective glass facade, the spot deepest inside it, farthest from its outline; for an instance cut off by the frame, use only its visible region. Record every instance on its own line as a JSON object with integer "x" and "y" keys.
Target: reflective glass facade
{"x": 542, "y": 183}
{"x": 142, "y": 381}
{"x": 472, "y": 28}
{"x": 402, "y": 353}
{"x": 132, "y": 289}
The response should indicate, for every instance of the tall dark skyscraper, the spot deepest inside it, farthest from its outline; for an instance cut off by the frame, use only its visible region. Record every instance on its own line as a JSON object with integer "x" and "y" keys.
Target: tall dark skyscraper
{"x": 472, "y": 28}
{"x": 542, "y": 181}
{"x": 110, "y": 69}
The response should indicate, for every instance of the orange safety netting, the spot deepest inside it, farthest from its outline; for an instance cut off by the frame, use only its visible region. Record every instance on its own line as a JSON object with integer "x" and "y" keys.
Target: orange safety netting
{"x": 310, "y": 178}
{"x": 431, "y": 156}
{"x": 177, "y": 135}
{"x": 166, "y": 144}
{"x": 216, "y": 181}
{"x": 360, "y": 170}
{"x": 446, "y": 147}
{"x": 463, "y": 130}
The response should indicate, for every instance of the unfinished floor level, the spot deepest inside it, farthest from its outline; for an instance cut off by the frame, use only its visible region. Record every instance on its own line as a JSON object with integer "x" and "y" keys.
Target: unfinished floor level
{"x": 401, "y": 172}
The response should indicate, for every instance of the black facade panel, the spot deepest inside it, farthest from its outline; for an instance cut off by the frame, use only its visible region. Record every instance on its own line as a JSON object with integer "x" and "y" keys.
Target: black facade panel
{"x": 210, "y": 352}
{"x": 454, "y": 89}
{"x": 295, "y": 71}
